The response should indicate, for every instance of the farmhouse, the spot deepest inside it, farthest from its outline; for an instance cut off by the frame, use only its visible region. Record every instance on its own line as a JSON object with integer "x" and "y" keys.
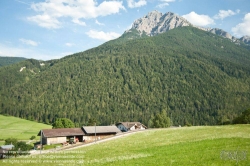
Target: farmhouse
{"x": 130, "y": 126}
{"x": 84, "y": 134}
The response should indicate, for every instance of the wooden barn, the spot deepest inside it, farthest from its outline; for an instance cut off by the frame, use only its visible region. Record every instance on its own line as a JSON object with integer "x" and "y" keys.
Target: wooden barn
{"x": 130, "y": 126}
{"x": 55, "y": 136}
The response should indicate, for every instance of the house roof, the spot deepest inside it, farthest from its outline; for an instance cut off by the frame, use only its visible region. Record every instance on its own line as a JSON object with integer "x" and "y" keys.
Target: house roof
{"x": 7, "y": 146}
{"x": 100, "y": 129}
{"x": 61, "y": 132}
{"x": 128, "y": 125}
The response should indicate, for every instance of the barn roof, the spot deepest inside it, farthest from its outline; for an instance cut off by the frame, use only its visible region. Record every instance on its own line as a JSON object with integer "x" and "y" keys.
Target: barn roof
{"x": 131, "y": 124}
{"x": 100, "y": 129}
{"x": 61, "y": 132}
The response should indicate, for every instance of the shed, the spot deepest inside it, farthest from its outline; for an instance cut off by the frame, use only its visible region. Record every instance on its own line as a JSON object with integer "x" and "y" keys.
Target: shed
{"x": 4, "y": 149}
{"x": 7, "y": 147}
{"x": 99, "y": 132}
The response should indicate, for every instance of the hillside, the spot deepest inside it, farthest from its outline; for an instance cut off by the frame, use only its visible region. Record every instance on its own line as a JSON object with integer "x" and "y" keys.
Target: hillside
{"x": 4, "y": 61}
{"x": 198, "y": 77}
{"x": 21, "y": 129}
{"x": 206, "y": 145}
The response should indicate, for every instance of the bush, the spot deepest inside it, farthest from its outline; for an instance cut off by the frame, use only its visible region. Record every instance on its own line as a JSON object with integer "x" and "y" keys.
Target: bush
{"x": 243, "y": 119}
{"x": 161, "y": 120}
{"x": 10, "y": 141}
{"x": 23, "y": 146}
{"x": 18, "y": 145}
{"x": 63, "y": 123}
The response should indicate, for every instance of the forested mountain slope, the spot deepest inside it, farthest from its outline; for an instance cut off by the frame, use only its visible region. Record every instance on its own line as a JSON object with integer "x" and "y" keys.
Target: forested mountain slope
{"x": 4, "y": 61}
{"x": 197, "y": 77}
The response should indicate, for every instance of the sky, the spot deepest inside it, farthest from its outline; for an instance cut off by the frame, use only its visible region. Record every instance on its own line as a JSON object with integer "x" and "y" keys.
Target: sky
{"x": 52, "y": 29}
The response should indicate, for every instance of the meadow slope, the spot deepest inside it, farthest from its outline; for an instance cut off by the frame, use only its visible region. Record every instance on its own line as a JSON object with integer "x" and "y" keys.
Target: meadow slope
{"x": 203, "y": 145}
{"x": 19, "y": 128}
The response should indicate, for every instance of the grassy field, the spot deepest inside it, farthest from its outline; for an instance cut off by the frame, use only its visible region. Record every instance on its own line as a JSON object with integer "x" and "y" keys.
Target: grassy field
{"x": 205, "y": 145}
{"x": 19, "y": 128}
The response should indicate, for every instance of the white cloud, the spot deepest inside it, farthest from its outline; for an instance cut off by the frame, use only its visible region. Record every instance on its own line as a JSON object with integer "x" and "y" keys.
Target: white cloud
{"x": 164, "y": 3}
{"x": 69, "y": 44}
{"x": 77, "y": 21}
{"x": 98, "y": 23}
{"x": 198, "y": 20}
{"x": 100, "y": 35}
{"x": 45, "y": 21}
{"x": 51, "y": 11}
{"x": 225, "y": 13}
{"x": 22, "y": 2}
{"x": 243, "y": 28}
{"x": 28, "y": 42}
{"x": 134, "y": 4}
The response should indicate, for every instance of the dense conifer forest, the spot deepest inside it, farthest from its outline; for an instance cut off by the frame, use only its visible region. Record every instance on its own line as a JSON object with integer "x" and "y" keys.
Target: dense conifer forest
{"x": 196, "y": 77}
{"x": 4, "y": 61}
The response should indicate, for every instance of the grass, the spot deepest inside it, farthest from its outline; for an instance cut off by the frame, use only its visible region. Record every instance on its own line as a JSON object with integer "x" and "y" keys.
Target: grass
{"x": 53, "y": 146}
{"x": 19, "y": 128}
{"x": 205, "y": 145}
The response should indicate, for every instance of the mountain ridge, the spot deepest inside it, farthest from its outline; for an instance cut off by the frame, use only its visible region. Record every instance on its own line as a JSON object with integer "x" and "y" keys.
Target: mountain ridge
{"x": 156, "y": 22}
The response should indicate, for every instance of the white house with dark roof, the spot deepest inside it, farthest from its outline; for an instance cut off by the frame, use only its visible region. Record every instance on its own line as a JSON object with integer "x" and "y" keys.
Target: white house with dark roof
{"x": 130, "y": 126}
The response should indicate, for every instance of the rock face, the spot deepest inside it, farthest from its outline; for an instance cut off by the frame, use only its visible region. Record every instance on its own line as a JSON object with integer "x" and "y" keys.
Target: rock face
{"x": 220, "y": 32}
{"x": 245, "y": 39}
{"x": 224, "y": 34}
{"x": 155, "y": 23}
{"x": 147, "y": 23}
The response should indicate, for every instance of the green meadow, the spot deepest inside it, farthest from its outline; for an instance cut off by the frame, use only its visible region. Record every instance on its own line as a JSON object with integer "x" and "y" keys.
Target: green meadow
{"x": 19, "y": 128}
{"x": 204, "y": 145}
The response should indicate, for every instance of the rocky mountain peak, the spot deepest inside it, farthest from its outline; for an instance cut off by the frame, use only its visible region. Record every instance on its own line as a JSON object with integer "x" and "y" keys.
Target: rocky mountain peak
{"x": 155, "y": 22}
{"x": 147, "y": 22}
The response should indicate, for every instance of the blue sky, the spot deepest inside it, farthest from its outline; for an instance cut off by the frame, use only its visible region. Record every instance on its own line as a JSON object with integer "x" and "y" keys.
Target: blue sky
{"x": 52, "y": 29}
